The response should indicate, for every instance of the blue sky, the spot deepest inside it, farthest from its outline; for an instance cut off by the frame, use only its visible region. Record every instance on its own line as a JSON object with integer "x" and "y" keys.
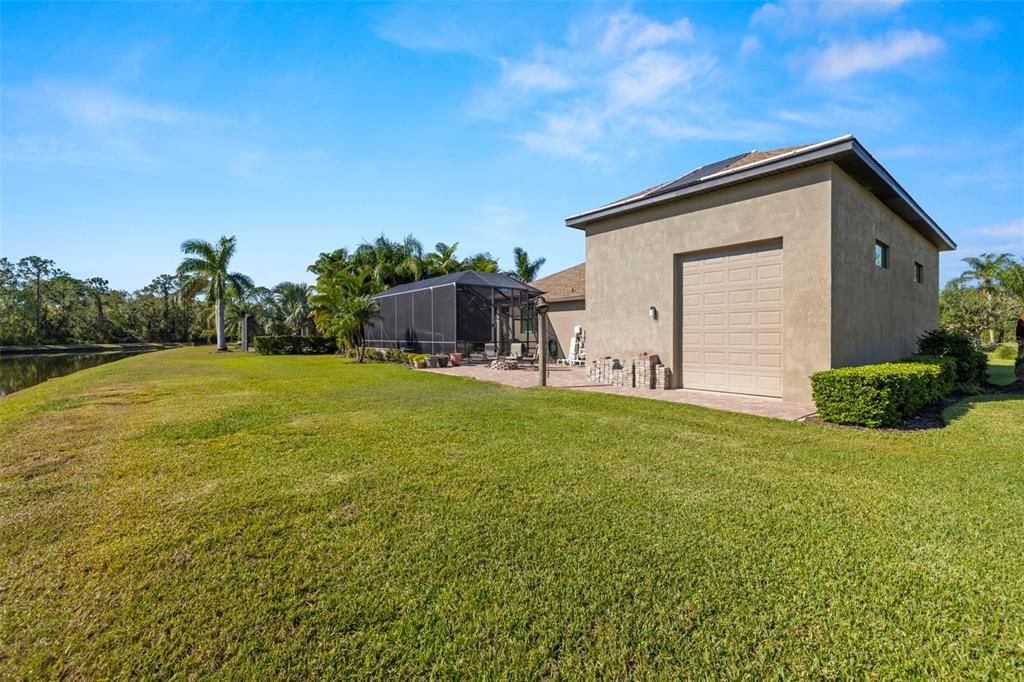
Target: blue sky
{"x": 302, "y": 128}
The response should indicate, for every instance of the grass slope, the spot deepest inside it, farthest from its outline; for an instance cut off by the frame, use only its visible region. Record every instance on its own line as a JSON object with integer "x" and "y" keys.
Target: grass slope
{"x": 187, "y": 513}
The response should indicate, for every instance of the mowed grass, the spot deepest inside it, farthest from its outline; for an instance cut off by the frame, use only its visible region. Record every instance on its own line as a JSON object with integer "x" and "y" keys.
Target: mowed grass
{"x": 184, "y": 513}
{"x": 1000, "y": 370}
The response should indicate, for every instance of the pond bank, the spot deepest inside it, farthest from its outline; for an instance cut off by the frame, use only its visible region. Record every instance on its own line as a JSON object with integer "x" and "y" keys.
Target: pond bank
{"x": 49, "y": 349}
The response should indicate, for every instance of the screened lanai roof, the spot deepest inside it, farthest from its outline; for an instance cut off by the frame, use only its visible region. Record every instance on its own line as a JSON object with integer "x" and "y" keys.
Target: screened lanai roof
{"x": 470, "y": 278}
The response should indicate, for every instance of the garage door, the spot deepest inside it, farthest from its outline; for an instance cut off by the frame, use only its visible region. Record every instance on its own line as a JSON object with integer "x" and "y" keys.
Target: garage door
{"x": 732, "y": 320}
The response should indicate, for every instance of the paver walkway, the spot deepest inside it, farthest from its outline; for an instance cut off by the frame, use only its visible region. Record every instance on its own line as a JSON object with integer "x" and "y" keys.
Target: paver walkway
{"x": 575, "y": 378}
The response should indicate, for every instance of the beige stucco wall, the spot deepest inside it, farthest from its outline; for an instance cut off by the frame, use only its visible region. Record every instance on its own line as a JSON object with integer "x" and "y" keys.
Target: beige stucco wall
{"x": 562, "y": 317}
{"x": 839, "y": 309}
{"x": 632, "y": 264}
{"x": 877, "y": 314}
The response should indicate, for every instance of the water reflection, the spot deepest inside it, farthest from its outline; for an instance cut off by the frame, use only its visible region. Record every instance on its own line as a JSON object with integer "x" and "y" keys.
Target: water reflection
{"x": 21, "y": 371}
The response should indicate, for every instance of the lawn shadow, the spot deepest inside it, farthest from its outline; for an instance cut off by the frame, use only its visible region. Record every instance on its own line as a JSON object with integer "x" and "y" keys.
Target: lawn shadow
{"x": 963, "y": 407}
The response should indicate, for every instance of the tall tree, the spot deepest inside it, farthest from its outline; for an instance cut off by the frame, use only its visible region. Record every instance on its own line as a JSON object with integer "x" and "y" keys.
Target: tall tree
{"x": 207, "y": 270}
{"x": 36, "y": 270}
{"x": 985, "y": 271}
{"x": 480, "y": 262}
{"x": 97, "y": 288}
{"x": 292, "y": 301}
{"x": 525, "y": 270}
{"x": 442, "y": 260}
{"x": 1012, "y": 279}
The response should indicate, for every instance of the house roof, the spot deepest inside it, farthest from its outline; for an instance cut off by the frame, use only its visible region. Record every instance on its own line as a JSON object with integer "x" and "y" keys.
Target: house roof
{"x": 471, "y": 278}
{"x": 846, "y": 152}
{"x": 565, "y": 285}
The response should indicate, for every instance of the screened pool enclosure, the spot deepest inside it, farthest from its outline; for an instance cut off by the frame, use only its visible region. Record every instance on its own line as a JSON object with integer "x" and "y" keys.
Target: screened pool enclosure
{"x": 460, "y": 312}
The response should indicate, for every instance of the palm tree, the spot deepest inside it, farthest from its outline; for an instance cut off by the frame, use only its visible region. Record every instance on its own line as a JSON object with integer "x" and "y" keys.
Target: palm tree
{"x": 525, "y": 269}
{"x": 443, "y": 261}
{"x": 389, "y": 262}
{"x": 985, "y": 271}
{"x": 207, "y": 271}
{"x": 292, "y": 302}
{"x": 480, "y": 262}
{"x": 342, "y": 306}
{"x": 1012, "y": 280}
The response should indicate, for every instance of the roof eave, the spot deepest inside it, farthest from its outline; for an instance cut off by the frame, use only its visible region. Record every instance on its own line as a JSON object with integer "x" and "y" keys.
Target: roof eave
{"x": 812, "y": 155}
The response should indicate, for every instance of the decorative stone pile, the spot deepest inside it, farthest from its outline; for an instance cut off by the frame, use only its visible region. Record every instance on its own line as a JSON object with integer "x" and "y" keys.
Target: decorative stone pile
{"x": 504, "y": 363}
{"x": 643, "y": 371}
{"x": 600, "y": 371}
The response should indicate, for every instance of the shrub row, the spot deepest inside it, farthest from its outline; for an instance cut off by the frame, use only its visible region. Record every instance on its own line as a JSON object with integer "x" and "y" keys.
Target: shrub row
{"x": 295, "y": 345}
{"x": 971, "y": 364}
{"x": 879, "y": 395}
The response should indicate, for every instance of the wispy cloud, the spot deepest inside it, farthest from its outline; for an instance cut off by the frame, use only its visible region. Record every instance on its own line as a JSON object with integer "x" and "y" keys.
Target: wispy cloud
{"x": 794, "y": 16}
{"x": 978, "y": 28}
{"x": 86, "y": 124}
{"x": 629, "y": 32}
{"x": 749, "y": 45}
{"x": 535, "y": 75}
{"x": 422, "y": 27}
{"x": 100, "y": 108}
{"x": 843, "y": 60}
{"x": 1009, "y": 229}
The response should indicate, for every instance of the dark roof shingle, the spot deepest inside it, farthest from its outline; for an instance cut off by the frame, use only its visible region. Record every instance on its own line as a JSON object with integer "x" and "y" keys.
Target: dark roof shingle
{"x": 565, "y": 285}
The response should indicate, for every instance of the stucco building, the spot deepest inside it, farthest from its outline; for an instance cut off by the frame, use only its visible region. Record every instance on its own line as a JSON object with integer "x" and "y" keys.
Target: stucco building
{"x": 749, "y": 274}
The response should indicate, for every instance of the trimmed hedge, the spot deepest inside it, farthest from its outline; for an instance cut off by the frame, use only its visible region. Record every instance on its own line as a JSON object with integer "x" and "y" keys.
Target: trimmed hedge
{"x": 295, "y": 345}
{"x": 971, "y": 364}
{"x": 879, "y": 395}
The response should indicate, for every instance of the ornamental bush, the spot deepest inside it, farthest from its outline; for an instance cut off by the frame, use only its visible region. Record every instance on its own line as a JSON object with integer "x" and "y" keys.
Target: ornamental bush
{"x": 971, "y": 364}
{"x": 880, "y": 395}
{"x": 295, "y": 345}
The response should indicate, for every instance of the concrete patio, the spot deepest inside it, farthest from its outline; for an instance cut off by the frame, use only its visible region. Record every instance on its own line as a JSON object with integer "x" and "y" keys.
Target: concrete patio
{"x": 560, "y": 376}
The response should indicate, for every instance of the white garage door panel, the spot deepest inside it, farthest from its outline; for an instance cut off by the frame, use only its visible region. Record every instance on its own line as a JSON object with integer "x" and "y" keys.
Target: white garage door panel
{"x": 732, "y": 320}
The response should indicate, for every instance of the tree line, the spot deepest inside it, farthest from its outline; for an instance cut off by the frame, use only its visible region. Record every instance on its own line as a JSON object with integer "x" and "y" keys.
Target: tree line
{"x": 205, "y": 300}
{"x": 986, "y": 302}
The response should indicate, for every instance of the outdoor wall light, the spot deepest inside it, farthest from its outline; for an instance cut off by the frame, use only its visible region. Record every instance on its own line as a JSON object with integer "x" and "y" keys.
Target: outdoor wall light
{"x": 653, "y": 312}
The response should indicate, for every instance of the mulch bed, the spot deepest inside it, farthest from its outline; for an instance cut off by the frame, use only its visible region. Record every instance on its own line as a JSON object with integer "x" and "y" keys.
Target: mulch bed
{"x": 929, "y": 417}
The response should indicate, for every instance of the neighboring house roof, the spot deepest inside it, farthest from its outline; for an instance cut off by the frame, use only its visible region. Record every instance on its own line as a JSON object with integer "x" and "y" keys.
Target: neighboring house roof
{"x": 565, "y": 285}
{"x": 470, "y": 278}
{"x": 846, "y": 152}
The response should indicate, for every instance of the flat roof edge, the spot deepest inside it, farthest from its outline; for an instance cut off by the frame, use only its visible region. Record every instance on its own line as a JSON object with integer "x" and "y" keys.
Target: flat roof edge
{"x": 821, "y": 152}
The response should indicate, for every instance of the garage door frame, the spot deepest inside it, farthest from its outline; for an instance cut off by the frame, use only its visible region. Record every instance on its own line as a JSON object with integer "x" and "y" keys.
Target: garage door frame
{"x": 764, "y": 355}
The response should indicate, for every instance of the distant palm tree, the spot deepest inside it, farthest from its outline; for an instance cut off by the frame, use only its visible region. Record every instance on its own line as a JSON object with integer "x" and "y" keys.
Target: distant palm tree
{"x": 443, "y": 261}
{"x": 985, "y": 271}
{"x": 525, "y": 269}
{"x": 480, "y": 262}
{"x": 292, "y": 300}
{"x": 207, "y": 271}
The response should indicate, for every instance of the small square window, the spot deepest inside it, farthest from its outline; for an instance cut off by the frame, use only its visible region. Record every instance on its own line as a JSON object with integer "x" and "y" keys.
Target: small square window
{"x": 918, "y": 273}
{"x": 882, "y": 255}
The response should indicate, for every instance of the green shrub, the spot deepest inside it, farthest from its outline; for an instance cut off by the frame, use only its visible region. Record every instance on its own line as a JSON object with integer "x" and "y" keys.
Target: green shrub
{"x": 971, "y": 364}
{"x": 294, "y": 345}
{"x": 1006, "y": 352}
{"x": 879, "y": 395}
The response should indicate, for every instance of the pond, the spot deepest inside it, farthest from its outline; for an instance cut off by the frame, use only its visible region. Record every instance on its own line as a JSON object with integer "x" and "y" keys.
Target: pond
{"x": 21, "y": 371}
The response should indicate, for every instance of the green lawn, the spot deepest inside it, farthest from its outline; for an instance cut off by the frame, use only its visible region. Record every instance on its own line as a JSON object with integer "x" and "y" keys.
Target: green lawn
{"x": 1000, "y": 371}
{"x": 188, "y": 513}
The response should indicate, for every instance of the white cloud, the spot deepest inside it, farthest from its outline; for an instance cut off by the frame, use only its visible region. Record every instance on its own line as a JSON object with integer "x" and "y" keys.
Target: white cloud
{"x": 749, "y": 45}
{"x": 535, "y": 76}
{"x": 1010, "y": 229}
{"x": 629, "y": 32}
{"x": 978, "y": 28}
{"x": 100, "y": 108}
{"x": 842, "y": 60}
{"x": 793, "y": 16}
{"x": 651, "y": 75}
{"x": 424, "y": 27}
